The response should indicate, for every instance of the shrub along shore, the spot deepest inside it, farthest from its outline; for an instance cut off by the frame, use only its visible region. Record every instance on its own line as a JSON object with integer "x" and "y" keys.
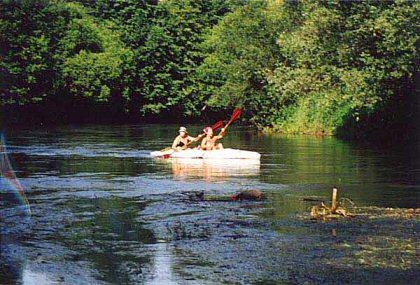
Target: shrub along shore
{"x": 317, "y": 67}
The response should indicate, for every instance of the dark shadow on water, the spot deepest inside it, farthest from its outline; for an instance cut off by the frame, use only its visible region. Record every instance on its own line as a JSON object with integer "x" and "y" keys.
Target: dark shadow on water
{"x": 14, "y": 222}
{"x": 108, "y": 233}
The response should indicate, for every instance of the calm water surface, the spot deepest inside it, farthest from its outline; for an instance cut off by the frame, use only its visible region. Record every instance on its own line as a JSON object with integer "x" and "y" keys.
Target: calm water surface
{"x": 103, "y": 211}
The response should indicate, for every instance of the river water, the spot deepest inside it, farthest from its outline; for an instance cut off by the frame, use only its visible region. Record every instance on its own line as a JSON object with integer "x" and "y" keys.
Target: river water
{"x": 104, "y": 212}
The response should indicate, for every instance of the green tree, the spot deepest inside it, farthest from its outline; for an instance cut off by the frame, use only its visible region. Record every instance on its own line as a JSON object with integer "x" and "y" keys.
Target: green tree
{"x": 94, "y": 57}
{"x": 344, "y": 63}
{"x": 51, "y": 49}
{"x": 172, "y": 52}
{"x": 312, "y": 67}
{"x": 26, "y": 60}
{"x": 241, "y": 52}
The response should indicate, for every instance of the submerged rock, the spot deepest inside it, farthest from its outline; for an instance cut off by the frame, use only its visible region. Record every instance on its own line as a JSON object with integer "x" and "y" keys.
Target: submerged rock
{"x": 251, "y": 195}
{"x": 248, "y": 195}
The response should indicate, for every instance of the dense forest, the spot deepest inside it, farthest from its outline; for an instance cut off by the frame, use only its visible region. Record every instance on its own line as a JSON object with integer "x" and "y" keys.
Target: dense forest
{"x": 317, "y": 67}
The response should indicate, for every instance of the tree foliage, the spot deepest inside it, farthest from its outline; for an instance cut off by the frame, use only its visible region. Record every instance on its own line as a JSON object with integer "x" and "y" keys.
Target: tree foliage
{"x": 294, "y": 66}
{"x": 53, "y": 50}
{"x": 320, "y": 64}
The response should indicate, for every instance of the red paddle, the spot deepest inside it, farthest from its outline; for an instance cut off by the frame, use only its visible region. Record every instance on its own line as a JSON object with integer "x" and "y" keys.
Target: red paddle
{"x": 235, "y": 115}
{"x": 217, "y": 125}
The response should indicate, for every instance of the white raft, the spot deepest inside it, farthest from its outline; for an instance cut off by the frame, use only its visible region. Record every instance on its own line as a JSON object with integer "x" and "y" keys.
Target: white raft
{"x": 227, "y": 153}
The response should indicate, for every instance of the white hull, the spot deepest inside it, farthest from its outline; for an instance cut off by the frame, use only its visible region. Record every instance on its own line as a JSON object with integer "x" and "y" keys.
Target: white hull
{"x": 227, "y": 153}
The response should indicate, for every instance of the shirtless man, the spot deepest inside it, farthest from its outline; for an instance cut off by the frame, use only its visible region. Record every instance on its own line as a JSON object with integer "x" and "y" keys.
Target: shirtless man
{"x": 182, "y": 141}
{"x": 209, "y": 142}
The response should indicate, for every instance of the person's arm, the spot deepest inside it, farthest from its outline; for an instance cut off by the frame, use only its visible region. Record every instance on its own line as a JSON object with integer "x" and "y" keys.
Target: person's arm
{"x": 221, "y": 134}
{"x": 197, "y": 138}
{"x": 176, "y": 142}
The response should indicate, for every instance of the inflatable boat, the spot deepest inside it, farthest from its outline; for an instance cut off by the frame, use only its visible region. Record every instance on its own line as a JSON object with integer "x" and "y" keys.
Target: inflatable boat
{"x": 227, "y": 153}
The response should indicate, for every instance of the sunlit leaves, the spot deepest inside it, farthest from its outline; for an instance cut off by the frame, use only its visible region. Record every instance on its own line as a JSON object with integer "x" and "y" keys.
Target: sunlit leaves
{"x": 311, "y": 66}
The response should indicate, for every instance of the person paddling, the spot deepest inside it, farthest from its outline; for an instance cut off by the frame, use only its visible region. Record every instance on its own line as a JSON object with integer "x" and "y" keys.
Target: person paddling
{"x": 183, "y": 140}
{"x": 209, "y": 142}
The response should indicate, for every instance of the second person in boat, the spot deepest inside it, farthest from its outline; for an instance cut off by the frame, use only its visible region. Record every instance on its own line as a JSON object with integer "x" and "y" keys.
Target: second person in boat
{"x": 209, "y": 142}
{"x": 183, "y": 140}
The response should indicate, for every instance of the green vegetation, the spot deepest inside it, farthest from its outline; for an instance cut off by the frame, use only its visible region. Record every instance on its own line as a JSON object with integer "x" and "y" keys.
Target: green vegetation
{"x": 331, "y": 67}
{"x": 313, "y": 66}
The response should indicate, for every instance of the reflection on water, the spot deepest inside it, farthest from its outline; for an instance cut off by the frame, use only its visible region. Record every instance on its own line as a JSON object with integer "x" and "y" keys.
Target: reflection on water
{"x": 31, "y": 277}
{"x": 211, "y": 169}
{"x": 104, "y": 212}
{"x": 163, "y": 266}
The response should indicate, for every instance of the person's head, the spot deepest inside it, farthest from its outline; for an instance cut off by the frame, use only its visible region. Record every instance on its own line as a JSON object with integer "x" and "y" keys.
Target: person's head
{"x": 208, "y": 131}
{"x": 183, "y": 131}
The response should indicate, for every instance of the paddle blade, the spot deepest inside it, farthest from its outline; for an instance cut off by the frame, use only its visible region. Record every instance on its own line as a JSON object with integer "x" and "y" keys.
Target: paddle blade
{"x": 217, "y": 125}
{"x": 235, "y": 115}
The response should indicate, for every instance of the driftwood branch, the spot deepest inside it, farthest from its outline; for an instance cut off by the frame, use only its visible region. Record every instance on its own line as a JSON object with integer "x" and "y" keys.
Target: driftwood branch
{"x": 335, "y": 211}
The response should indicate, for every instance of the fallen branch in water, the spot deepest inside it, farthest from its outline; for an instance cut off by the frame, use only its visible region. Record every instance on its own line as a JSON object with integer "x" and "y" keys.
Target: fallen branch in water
{"x": 250, "y": 195}
{"x": 312, "y": 199}
{"x": 336, "y": 210}
{"x": 339, "y": 210}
